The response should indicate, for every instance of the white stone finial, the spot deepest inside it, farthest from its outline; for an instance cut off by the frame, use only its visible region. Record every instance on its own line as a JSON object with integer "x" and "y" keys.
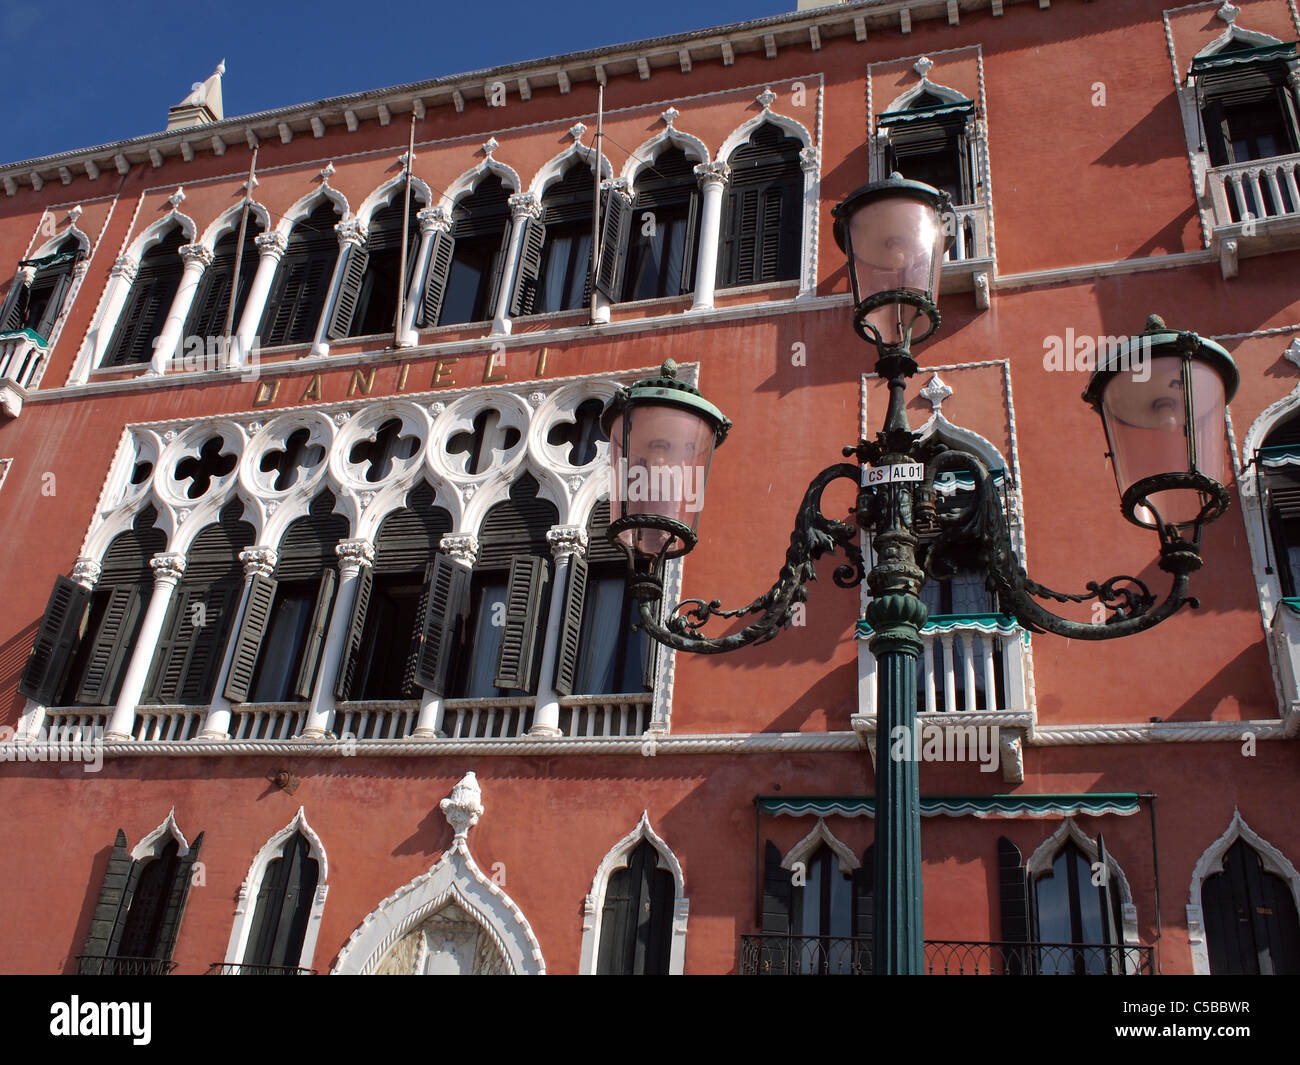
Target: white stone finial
{"x": 327, "y": 172}
{"x": 936, "y": 392}
{"x": 489, "y": 146}
{"x": 670, "y": 116}
{"x": 464, "y": 806}
{"x": 576, "y": 131}
{"x": 766, "y": 99}
{"x": 1228, "y": 11}
{"x": 923, "y": 66}
{"x": 74, "y": 214}
{"x": 221, "y": 69}
{"x": 1292, "y": 353}
{"x": 177, "y": 198}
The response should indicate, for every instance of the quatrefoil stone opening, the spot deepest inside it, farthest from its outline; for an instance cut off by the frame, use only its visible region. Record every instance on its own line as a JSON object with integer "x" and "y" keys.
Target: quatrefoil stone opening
{"x": 201, "y": 470}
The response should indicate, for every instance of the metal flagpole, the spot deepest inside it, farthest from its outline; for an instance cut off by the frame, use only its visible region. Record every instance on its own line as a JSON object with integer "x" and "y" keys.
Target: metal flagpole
{"x": 595, "y": 201}
{"x": 406, "y": 222}
{"x": 239, "y": 256}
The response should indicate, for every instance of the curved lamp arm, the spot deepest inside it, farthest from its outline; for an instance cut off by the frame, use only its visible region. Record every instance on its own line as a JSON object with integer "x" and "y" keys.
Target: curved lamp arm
{"x": 814, "y": 535}
{"x": 982, "y": 526}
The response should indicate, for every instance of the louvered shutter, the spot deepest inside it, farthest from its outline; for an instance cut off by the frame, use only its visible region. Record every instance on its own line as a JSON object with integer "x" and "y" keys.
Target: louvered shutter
{"x": 498, "y": 268}
{"x": 566, "y": 659}
{"x": 299, "y": 888}
{"x": 1013, "y": 895}
{"x": 775, "y": 916}
{"x": 345, "y": 304}
{"x": 613, "y": 244}
{"x": 207, "y": 313}
{"x": 410, "y": 687}
{"x": 105, "y": 922}
{"x": 178, "y": 894}
{"x": 207, "y": 646}
{"x": 54, "y": 307}
{"x": 517, "y": 661}
{"x": 523, "y": 295}
{"x": 444, "y": 616}
{"x": 278, "y": 315}
{"x": 146, "y": 309}
{"x": 174, "y": 647}
{"x": 356, "y": 631}
{"x": 690, "y": 248}
{"x": 864, "y": 912}
{"x": 248, "y": 644}
{"x": 11, "y": 314}
{"x": 1284, "y": 522}
{"x": 441, "y": 251}
{"x": 267, "y": 912}
{"x": 56, "y": 641}
{"x": 114, "y": 642}
{"x": 320, "y": 621}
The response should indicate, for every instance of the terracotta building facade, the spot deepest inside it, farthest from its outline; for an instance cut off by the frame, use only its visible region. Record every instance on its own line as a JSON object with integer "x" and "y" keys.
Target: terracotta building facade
{"x": 315, "y": 657}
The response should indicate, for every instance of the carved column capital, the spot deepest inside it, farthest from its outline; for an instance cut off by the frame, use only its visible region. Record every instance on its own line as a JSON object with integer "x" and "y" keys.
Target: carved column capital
{"x": 712, "y": 174}
{"x": 525, "y": 205}
{"x": 258, "y": 561}
{"x": 355, "y": 553}
{"x": 196, "y": 253}
{"x": 168, "y": 568}
{"x": 125, "y": 268}
{"x": 271, "y": 245}
{"x": 567, "y": 540}
{"x": 350, "y": 232}
{"x": 86, "y": 571}
{"x": 462, "y": 549}
{"x": 433, "y": 220}
{"x": 810, "y": 158}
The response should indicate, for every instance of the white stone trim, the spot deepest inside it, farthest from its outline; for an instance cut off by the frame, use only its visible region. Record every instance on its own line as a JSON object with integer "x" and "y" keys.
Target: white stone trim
{"x": 153, "y": 843}
{"x": 1211, "y": 862}
{"x": 1041, "y": 861}
{"x": 945, "y": 93}
{"x": 246, "y": 904}
{"x": 553, "y": 170}
{"x": 70, "y": 230}
{"x": 469, "y": 180}
{"x": 644, "y": 155}
{"x": 593, "y": 905}
{"x": 379, "y": 198}
{"x": 228, "y": 221}
{"x": 804, "y": 850}
{"x": 308, "y": 203}
{"x": 454, "y": 878}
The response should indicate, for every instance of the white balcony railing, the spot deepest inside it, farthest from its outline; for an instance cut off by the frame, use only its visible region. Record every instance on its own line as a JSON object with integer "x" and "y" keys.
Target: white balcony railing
{"x": 487, "y": 719}
{"x": 606, "y": 715}
{"x": 267, "y": 721}
{"x": 75, "y": 724}
{"x": 376, "y": 720}
{"x": 972, "y": 235}
{"x": 22, "y": 357}
{"x": 168, "y": 723}
{"x": 1259, "y": 189}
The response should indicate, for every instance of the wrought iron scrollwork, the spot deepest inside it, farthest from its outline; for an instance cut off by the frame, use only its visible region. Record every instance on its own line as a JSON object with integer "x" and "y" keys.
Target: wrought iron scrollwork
{"x": 814, "y": 535}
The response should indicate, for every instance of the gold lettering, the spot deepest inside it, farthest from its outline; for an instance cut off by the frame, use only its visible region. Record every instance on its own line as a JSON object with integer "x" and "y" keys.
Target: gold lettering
{"x": 541, "y": 363}
{"x": 266, "y": 392}
{"x": 488, "y": 376}
{"x": 312, "y": 391}
{"x": 401, "y": 377}
{"x": 442, "y": 372}
{"x": 361, "y": 383}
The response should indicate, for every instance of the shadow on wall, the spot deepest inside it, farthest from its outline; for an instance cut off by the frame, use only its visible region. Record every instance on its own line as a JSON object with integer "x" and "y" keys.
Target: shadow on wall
{"x": 13, "y": 659}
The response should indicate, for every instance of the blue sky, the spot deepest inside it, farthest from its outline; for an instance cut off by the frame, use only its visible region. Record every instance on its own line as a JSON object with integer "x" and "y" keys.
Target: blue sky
{"x": 85, "y": 72}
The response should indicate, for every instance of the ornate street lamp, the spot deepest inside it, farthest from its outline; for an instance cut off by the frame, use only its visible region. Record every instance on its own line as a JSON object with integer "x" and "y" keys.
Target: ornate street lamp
{"x": 1161, "y": 397}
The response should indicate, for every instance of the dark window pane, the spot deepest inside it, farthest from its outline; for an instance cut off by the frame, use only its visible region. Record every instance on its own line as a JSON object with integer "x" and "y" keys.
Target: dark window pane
{"x": 277, "y": 667}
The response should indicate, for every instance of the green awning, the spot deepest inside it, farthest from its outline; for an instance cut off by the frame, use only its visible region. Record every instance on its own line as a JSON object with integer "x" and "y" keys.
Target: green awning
{"x": 917, "y": 114}
{"x": 1279, "y": 455}
{"x": 55, "y": 259}
{"x": 1097, "y": 804}
{"x": 1003, "y": 624}
{"x": 1263, "y": 54}
{"x": 31, "y": 335}
{"x": 1292, "y": 603}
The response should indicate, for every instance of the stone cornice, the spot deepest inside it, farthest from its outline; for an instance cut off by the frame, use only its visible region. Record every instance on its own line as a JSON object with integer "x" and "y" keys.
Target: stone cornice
{"x": 799, "y": 29}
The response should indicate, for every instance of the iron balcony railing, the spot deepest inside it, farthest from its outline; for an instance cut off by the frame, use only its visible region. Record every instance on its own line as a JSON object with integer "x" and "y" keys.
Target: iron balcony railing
{"x": 222, "y": 968}
{"x": 107, "y": 965}
{"x": 781, "y": 955}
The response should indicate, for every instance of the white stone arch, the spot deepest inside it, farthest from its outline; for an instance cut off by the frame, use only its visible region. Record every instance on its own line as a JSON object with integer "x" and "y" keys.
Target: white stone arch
{"x": 1211, "y": 862}
{"x": 1042, "y": 858}
{"x": 945, "y": 93}
{"x": 617, "y": 858}
{"x": 741, "y": 134}
{"x": 304, "y": 207}
{"x": 155, "y": 232}
{"x": 155, "y": 841}
{"x": 228, "y": 221}
{"x": 692, "y": 147}
{"x": 454, "y": 879}
{"x": 1250, "y": 38}
{"x": 379, "y": 198}
{"x": 298, "y": 505}
{"x": 553, "y": 170}
{"x": 468, "y": 181}
{"x": 120, "y": 521}
{"x": 180, "y": 517}
{"x": 820, "y": 835}
{"x": 70, "y": 230}
{"x": 247, "y": 901}
{"x": 393, "y": 498}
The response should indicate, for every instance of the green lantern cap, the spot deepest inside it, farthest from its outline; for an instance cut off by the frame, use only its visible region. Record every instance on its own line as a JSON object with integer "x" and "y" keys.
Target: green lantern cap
{"x": 667, "y": 389}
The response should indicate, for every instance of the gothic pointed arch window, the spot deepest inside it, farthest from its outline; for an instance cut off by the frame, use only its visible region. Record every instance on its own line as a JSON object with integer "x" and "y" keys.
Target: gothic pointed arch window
{"x": 930, "y": 141}
{"x": 1077, "y": 914}
{"x": 212, "y": 298}
{"x": 562, "y": 283}
{"x": 480, "y": 230}
{"x": 147, "y": 304}
{"x": 37, "y": 305}
{"x": 1279, "y": 464}
{"x": 636, "y": 921}
{"x": 303, "y": 279}
{"x": 762, "y": 218}
{"x": 282, "y": 910}
{"x": 372, "y": 276}
{"x": 659, "y": 249}
{"x": 1251, "y": 922}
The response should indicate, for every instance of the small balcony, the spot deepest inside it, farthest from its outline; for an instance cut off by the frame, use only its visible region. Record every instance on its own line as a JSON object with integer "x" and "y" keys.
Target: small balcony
{"x": 23, "y": 355}
{"x": 1255, "y": 208}
{"x": 222, "y": 968}
{"x": 968, "y": 264}
{"x": 108, "y": 965}
{"x": 792, "y": 955}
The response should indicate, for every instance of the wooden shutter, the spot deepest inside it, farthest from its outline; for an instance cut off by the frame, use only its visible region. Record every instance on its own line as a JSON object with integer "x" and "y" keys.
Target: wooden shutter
{"x": 248, "y": 644}
{"x": 613, "y": 243}
{"x": 636, "y": 918}
{"x": 266, "y": 914}
{"x": 410, "y": 687}
{"x": 517, "y": 661}
{"x": 356, "y": 630}
{"x": 320, "y": 622}
{"x": 566, "y": 659}
{"x": 177, "y": 896}
{"x": 283, "y": 907}
{"x": 56, "y": 641}
{"x": 691, "y": 245}
{"x": 523, "y": 295}
{"x": 174, "y": 645}
{"x": 54, "y": 307}
{"x": 105, "y": 922}
{"x": 775, "y": 915}
{"x": 205, "y": 652}
{"x": 11, "y": 314}
{"x": 864, "y": 912}
{"x": 1013, "y": 895}
{"x": 441, "y": 251}
{"x": 444, "y": 615}
{"x": 345, "y": 304}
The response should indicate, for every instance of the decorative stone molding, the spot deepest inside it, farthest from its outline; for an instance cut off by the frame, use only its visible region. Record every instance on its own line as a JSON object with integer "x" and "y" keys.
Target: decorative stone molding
{"x": 153, "y": 844}
{"x": 577, "y": 131}
{"x": 1011, "y": 755}
{"x": 617, "y": 858}
{"x": 350, "y": 232}
{"x": 766, "y": 99}
{"x": 713, "y": 174}
{"x": 86, "y": 572}
{"x": 355, "y": 553}
{"x": 168, "y": 568}
{"x": 258, "y": 561}
{"x": 455, "y": 880}
{"x": 1228, "y": 12}
{"x": 936, "y": 391}
{"x": 125, "y": 268}
{"x": 326, "y": 172}
{"x": 271, "y": 244}
{"x": 462, "y": 549}
{"x": 804, "y": 850}
{"x": 433, "y": 220}
{"x": 196, "y": 253}
{"x": 923, "y": 66}
{"x": 670, "y": 116}
{"x": 1211, "y": 863}
{"x": 525, "y": 205}
{"x": 567, "y": 540}
{"x": 177, "y": 198}
{"x": 489, "y": 146}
